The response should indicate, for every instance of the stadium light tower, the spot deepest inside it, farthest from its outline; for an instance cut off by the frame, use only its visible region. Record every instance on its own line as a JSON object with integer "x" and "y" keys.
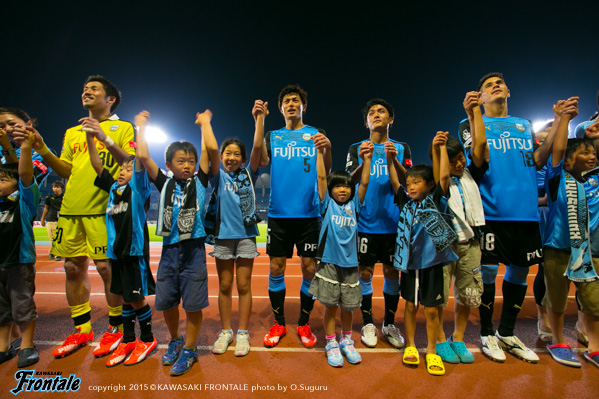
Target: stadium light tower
{"x": 155, "y": 134}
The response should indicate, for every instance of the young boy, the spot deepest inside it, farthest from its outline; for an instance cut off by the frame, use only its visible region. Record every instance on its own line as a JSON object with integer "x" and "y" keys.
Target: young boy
{"x": 423, "y": 246}
{"x": 50, "y": 214}
{"x": 128, "y": 249}
{"x": 467, "y": 216}
{"x": 293, "y": 217}
{"x": 377, "y": 225}
{"x": 567, "y": 241}
{"x": 19, "y": 196}
{"x": 182, "y": 274}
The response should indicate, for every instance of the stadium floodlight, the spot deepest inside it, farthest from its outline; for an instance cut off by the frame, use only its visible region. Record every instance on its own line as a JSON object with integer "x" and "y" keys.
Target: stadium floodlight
{"x": 538, "y": 124}
{"x": 154, "y": 134}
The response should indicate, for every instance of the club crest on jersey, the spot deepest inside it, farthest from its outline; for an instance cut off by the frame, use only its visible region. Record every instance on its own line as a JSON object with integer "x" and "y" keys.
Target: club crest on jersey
{"x": 593, "y": 182}
{"x": 520, "y": 127}
{"x": 348, "y": 211}
{"x": 114, "y": 128}
{"x": 306, "y": 136}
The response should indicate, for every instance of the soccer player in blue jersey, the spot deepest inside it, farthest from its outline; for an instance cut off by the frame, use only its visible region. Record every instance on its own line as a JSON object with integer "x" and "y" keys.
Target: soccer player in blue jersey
{"x": 293, "y": 213}
{"x": 336, "y": 281}
{"x": 377, "y": 225}
{"x": 128, "y": 249}
{"x": 509, "y": 193}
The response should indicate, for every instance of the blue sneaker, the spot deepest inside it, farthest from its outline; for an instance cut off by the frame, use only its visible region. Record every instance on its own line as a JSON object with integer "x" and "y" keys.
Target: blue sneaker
{"x": 333, "y": 355}
{"x": 184, "y": 362}
{"x": 173, "y": 352}
{"x": 460, "y": 349}
{"x": 348, "y": 350}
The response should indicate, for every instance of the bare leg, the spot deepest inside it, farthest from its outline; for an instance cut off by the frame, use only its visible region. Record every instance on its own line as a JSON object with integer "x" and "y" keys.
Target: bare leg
{"x": 591, "y": 325}
{"x": 105, "y": 271}
{"x": 410, "y": 322}
{"x": 556, "y": 321}
{"x": 193, "y": 325}
{"x": 462, "y": 313}
{"x": 244, "y": 290}
{"x": 77, "y": 280}
{"x": 330, "y": 314}
{"x": 27, "y": 334}
{"x": 171, "y": 318}
{"x": 441, "y": 336}
{"x": 347, "y": 319}
{"x": 225, "y": 281}
{"x": 432, "y": 327}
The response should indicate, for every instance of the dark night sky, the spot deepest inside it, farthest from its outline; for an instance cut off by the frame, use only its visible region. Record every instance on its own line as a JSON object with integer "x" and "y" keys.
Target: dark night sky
{"x": 174, "y": 60}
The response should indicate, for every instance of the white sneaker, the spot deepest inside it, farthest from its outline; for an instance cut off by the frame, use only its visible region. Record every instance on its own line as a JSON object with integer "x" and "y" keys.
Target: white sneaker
{"x": 491, "y": 349}
{"x": 393, "y": 335}
{"x": 222, "y": 343}
{"x": 369, "y": 335}
{"x": 514, "y": 346}
{"x": 242, "y": 344}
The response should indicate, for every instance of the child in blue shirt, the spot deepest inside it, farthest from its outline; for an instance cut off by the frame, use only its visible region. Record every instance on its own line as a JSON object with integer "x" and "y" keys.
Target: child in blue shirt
{"x": 335, "y": 282}
{"x": 232, "y": 219}
{"x": 19, "y": 197}
{"x": 182, "y": 274}
{"x": 423, "y": 247}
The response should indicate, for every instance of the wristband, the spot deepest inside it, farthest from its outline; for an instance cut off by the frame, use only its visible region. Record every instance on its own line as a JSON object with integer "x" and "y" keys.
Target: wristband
{"x": 43, "y": 151}
{"x": 108, "y": 142}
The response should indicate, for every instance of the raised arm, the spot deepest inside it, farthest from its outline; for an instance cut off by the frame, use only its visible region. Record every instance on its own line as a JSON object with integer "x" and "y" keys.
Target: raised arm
{"x": 393, "y": 178}
{"x": 322, "y": 174}
{"x": 62, "y": 168}
{"x": 441, "y": 166}
{"x": 567, "y": 111}
{"x": 93, "y": 154}
{"x": 91, "y": 125}
{"x": 365, "y": 175}
{"x": 321, "y": 141}
{"x": 260, "y": 111}
{"x": 142, "y": 153}
{"x": 542, "y": 153}
{"x": 393, "y": 163}
{"x": 357, "y": 172}
{"x": 209, "y": 159}
{"x": 25, "y": 165}
{"x": 479, "y": 148}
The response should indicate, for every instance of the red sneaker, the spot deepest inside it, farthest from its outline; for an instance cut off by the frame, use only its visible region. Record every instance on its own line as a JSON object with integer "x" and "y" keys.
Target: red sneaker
{"x": 109, "y": 342}
{"x": 308, "y": 339}
{"x": 276, "y": 332}
{"x": 72, "y": 343}
{"x": 142, "y": 350}
{"x": 121, "y": 353}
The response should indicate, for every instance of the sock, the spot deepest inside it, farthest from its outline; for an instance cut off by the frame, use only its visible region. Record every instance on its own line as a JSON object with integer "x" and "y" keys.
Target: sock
{"x": 242, "y": 332}
{"x": 128, "y": 323}
{"x": 306, "y": 306}
{"x": 190, "y": 348}
{"x": 276, "y": 293}
{"x": 391, "y": 295}
{"x": 144, "y": 317}
{"x": 366, "y": 307}
{"x": 115, "y": 316}
{"x": 331, "y": 338}
{"x": 81, "y": 315}
{"x": 513, "y": 298}
{"x": 346, "y": 334}
{"x": 485, "y": 310}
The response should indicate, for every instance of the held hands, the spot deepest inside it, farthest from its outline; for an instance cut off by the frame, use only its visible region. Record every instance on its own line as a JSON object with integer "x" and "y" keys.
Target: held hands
{"x": 471, "y": 101}
{"x": 566, "y": 107}
{"x": 440, "y": 140}
{"x": 390, "y": 150}
{"x": 4, "y": 140}
{"x": 141, "y": 120}
{"x": 21, "y": 133}
{"x": 260, "y": 109}
{"x": 90, "y": 125}
{"x": 321, "y": 142}
{"x": 29, "y": 140}
{"x": 203, "y": 118}
{"x": 365, "y": 148}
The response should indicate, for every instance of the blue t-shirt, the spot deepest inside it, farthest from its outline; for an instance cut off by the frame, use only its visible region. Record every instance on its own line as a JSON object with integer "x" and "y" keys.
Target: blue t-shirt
{"x": 338, "y": 240}
{"x": 229, "y": 220}
{"x": 126, "y": 214}
{"x": 201, "y": 182}
{"x": 379, "y": 215}
{"x": 509, "y": 187}
{"x": 422, "y": 248}
{"x": 591, "y": 186}
{"x": 17, "y": 213}
{"x": 293, "y": 180}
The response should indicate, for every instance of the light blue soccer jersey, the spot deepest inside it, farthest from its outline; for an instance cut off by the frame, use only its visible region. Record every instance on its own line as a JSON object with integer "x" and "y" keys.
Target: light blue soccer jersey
{"x": 229, "y": 220}
{"x": 509, "y": 187}
{"x": 293, "y": 180}
{"x": 338, "y": 240}
{"x": 379, "y": 214}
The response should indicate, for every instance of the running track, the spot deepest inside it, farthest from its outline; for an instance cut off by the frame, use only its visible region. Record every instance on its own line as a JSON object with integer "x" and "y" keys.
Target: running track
{"x": 290, "y": 366}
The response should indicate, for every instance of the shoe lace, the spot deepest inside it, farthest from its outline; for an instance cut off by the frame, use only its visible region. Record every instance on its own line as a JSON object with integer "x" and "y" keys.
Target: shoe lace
{"x": 276, "y": 329}
{"x": 109, "y": 337}
{"x": 392, "y": 331}
{"x": 73, "y": 338}
{"x": 492, "y": 343}
{"x": 369, "y": 329}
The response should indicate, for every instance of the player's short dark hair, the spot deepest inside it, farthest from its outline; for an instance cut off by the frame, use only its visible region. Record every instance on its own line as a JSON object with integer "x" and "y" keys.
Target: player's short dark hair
{"x": 377, "y": 101}
{"x": 19, "y": 113}
{"x": 10, "y": 170}
{"x": 109, "y": 88}
{"x": 340, "y": 177}
{"x": 421, "y": 170}
{"x": 129, "y": 159}
{"x": 238, "y": 143}
{"x": 487, "y": 76}
{"x": 184, "y": 146}
{"x": 454, "y": 147}
{"x": 293, "y": 89}
{"x": 58, "y": 183}
{"x": 574, "y": 144}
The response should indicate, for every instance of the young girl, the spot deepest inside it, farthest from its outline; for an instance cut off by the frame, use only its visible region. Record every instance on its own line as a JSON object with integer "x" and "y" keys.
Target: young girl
{"x": 335, "y": 283}
{"x": 232, "y": 220}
